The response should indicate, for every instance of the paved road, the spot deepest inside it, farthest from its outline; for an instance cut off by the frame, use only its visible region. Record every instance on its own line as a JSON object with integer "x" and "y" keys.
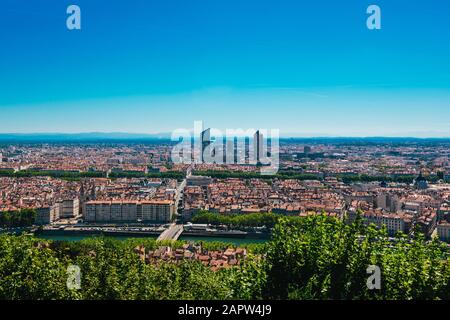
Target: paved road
{"x": 172, "y": 233}
{"x": 180, "y": 190}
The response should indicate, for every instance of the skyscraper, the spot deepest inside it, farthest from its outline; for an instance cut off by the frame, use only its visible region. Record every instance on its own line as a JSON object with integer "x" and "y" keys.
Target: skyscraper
{"x": 258, "y": 146}
{"x": 206, "y": 141}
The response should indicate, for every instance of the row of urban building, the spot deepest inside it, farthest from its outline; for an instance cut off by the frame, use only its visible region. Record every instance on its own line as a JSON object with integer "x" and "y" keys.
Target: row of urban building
{"x": 108, "y": 211}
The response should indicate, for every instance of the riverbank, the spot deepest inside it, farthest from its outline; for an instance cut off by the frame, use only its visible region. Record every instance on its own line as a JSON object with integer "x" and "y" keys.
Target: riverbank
{"x": 77, "y": 234}
{"x": 96, "y": 233}
{"x": 234, "y": 241}
{"x": 145, "y": 232}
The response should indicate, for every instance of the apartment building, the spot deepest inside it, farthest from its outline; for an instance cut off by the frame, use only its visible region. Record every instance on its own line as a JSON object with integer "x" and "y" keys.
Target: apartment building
{"x": 116, "y": 211}
{"x": 393, "y": 222}
{"x": 443, "y": 230}
{"x": 162, "y": 210}
{"x": 68, "y": 208}
{"x": 198, "y": 181}
{"x": 388, "y": 202}
{"x": 130, "y": 211}
{"x": 46, "y": 215}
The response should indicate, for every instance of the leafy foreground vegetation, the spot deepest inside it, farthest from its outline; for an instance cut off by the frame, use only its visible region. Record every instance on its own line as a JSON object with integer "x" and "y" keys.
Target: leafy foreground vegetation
{"x": 311, "y": 258}
{"x": 16, "y": 219}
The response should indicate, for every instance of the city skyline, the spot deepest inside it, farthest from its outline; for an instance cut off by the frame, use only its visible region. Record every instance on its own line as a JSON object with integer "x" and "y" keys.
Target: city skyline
{"x": 225, "y": 156}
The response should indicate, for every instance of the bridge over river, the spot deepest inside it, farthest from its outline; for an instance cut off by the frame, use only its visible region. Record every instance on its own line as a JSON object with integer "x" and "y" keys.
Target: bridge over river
{"x": 173, "y": 233}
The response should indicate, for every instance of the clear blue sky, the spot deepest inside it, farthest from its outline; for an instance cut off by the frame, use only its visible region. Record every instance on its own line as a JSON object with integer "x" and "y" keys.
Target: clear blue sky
{"x": 305, "y": 67}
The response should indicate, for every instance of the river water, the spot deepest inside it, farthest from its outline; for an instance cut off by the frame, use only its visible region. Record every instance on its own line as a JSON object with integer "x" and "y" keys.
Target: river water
{"x": 235, "y": 241}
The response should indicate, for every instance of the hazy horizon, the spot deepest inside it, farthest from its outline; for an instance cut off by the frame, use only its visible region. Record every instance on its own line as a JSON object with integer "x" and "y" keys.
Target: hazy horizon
{"x": 167, "y": 135}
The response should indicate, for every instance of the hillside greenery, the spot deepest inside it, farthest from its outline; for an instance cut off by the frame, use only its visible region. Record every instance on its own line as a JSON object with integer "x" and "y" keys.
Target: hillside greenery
{"x": 298, "y": 175}
{"x": 316, "y": 257}
{"x": 237, "y": 220}
{"x": 17, "y": 219}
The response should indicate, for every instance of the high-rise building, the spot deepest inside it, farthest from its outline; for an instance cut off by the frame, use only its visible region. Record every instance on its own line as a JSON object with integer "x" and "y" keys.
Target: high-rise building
{"x": 258, "y": 146}
{"x": 206, "y": 141}
{"x": 230, "y": 150}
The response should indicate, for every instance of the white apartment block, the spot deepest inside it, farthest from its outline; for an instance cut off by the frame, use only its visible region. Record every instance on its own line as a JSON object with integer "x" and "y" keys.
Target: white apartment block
{"x": 162, "y": 210}
{"x": 69, "y": 208}
{"x": 393, "y": 222}
{"x": 129, "y": 211}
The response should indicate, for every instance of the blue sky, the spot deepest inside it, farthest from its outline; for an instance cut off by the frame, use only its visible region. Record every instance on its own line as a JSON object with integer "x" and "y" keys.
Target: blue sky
{"x": 306, "y": 67}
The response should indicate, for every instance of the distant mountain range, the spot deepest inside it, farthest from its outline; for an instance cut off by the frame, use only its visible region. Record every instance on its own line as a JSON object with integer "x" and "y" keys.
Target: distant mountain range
{"x": 121, "y": 136}
{"x": 81, "y": 136}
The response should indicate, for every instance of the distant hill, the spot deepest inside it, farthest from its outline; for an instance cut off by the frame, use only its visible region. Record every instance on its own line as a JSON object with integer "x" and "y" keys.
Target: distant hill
{"x": 165, "y": 136}
{"x": 75, "y": 137}
{"x": 366, "y": 140}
